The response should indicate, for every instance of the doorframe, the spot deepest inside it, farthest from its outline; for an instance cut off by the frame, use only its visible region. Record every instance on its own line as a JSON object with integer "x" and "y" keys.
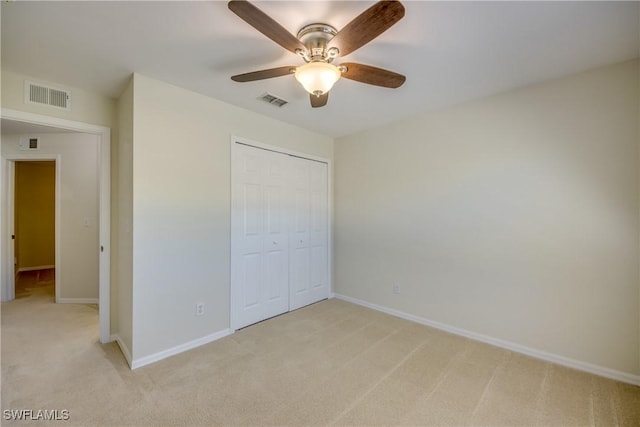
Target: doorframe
{"x": 234, "y": 140}
{"x": 9, "y": 163}
{"x": 104, "y": 206}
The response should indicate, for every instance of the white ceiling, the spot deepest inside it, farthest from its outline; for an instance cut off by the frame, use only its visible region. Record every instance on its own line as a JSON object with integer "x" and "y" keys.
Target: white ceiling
{"x": 450, "y": 51}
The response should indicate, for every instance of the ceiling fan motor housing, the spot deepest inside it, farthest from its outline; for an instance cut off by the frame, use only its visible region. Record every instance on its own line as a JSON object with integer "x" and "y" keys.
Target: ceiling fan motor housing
{"x": 315, "y": 37}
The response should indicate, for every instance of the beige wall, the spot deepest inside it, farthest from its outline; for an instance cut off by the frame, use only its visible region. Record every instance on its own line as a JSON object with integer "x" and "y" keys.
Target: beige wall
{"x": 121, "y": 222}
{"x": 181, "y": 208}
{"x": 79, "y": 201}
{"x": 514, "y": 216}
{"x": 34, "y": 218}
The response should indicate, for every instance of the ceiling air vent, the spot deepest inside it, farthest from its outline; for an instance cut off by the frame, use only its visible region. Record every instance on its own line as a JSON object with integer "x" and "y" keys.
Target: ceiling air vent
{"x": 273, "y": 100}
{"x": 36, "y": 93}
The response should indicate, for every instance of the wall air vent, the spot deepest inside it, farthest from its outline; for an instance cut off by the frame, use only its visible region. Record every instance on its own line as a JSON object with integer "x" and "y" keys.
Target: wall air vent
{"x": 28, "y": 143}
{"x": 37, "y": 93}
{"x": 273, "y": 100}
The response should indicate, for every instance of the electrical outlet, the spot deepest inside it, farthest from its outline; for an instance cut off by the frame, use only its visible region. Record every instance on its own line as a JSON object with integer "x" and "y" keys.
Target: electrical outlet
{"x": 200, "y": 309}
{"x": 396, "y": 288}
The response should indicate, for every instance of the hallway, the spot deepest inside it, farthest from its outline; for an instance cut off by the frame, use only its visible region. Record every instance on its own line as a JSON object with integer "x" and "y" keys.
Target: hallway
{"x": 38, "y": 283}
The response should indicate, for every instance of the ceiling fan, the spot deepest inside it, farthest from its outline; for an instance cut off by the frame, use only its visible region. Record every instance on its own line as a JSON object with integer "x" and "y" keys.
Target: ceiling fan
{"x": 320, "y": 44}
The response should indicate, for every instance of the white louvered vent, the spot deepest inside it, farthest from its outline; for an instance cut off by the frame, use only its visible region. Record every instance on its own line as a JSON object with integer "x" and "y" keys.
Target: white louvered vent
{"x": 273, "y": 100}
{"x": 37, "y": 93}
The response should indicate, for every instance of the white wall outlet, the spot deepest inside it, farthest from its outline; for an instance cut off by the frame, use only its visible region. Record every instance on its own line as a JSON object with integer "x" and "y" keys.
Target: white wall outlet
{"x": 396, "y": 288}
{"x": 200, "y": 309}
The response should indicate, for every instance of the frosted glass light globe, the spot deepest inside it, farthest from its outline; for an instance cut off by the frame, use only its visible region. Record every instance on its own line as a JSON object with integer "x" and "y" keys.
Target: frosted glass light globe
{"x": 317, "y": 78}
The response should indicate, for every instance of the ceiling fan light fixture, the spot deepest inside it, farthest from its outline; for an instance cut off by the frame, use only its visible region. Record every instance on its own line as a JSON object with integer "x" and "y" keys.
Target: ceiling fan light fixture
{"x": 317, "y": 78}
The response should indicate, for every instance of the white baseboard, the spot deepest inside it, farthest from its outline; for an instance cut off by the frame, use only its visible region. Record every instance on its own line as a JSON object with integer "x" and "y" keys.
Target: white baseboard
{"x": 538, "y": 354}
{"x": 41, "y": 267}
{"x": 123, "y": 348}
{"x": 77, "y": 300}
{"x": 137, "y": 363}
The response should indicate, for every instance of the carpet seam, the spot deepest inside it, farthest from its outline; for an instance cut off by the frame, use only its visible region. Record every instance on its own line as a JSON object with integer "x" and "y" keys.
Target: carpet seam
{"x": 380, "y": 381}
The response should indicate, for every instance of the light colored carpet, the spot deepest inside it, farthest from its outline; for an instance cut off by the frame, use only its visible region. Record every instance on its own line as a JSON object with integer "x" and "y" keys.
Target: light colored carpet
{"x": 332, "y": 363}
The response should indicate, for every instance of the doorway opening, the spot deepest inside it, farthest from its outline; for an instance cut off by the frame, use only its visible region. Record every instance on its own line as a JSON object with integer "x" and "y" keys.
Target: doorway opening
{"x": 36, "y": 123}
{"x": 34, "y": 227}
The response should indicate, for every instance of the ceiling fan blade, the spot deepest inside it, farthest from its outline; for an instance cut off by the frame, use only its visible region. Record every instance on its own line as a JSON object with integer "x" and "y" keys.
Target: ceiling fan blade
{"x": 367, "y": 26}
{"x": 265, "y": 24}
{"x": 263, "y": 74}
{"x": 372, "y": 75}
{"x": 319, "y": 101}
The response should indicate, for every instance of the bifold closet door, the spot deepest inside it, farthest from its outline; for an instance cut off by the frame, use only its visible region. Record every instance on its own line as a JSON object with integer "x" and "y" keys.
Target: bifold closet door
{"x": 259, "y": 236}
{"x": 309, "y": 236}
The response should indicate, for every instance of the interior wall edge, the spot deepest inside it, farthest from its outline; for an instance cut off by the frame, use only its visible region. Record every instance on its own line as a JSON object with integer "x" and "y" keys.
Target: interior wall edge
{"x": 190, "y": 345}
{"x": 507, "y": 345}
{"x": 123, "y": 348}
{"x": 638, "y": 173}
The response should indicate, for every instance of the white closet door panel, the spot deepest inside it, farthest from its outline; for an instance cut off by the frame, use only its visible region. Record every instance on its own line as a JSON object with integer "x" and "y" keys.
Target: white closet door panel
{"x": 275, "y": 239}
{"x": 275, "y": 261}
{"x": 251, "y": 267}
{"x": 252, "y": 213}
{"x": 319, "y": 231}
{"x": 249, "y": 282}
{"x": 299, "y": 277}
{"x": 259, "y": 247}
{"x": 300, "y": 272}
{"x": 246, "y": 247}
{"x": 318, "y": 270}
